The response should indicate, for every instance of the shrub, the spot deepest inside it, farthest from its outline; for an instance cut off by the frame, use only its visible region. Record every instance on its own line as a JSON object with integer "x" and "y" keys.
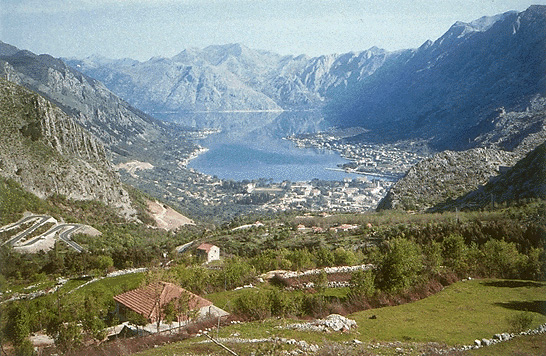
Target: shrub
{"x": 362, "y": 284}
{"x": 454, "y": 252}
{"x": 400, "y": 266}
{"x": 343, "y": 257}
{"x": 520, "y": 322}
{"x": 502, "y": 259}
{"x": 255, "y": 305}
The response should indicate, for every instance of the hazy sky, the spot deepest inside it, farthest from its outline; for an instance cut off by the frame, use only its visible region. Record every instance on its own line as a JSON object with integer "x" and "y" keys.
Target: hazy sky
{"x": 142, "y": 29}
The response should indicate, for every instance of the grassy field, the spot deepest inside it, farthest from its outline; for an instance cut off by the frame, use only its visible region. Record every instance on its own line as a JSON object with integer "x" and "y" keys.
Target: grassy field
{"x": 461, "y": 313}
{"x": 458, "y": 315}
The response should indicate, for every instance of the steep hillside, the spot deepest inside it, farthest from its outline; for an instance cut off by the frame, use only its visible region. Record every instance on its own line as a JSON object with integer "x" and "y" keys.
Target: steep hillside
{"x": 525, "y": 180}
{"x": 450, "y": 175}
{"x": 446, "y": 175}
{"x": 44, "y": 150}
{"x": 231, "y": 77}
{"x": 123, "y": 129}
{"x": 446, "y": 90}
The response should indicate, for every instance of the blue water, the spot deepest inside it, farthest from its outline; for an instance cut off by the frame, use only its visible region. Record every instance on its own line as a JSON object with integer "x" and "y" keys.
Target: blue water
{"x": 238, "y": 161}
{"x": 251, "y": 146}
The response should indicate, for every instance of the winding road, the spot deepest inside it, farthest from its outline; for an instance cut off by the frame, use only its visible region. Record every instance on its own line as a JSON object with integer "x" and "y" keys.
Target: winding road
{"x": 64, "y": 232}
{"x": 42, "y": 219}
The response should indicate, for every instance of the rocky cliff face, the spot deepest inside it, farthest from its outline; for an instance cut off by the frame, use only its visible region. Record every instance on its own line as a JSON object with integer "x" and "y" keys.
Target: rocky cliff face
{"x": 122, "y": 128}
{"x": 526, "y": 180}
{"x": 450, "y": 175}
{"x": 231, "y": 77}
{"x": 47, "y": 152}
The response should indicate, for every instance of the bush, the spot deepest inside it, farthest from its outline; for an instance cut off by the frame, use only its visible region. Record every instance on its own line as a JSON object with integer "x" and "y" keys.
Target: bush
{"x": 501, "y": 259}
{"x": 254, "y": 305}
{"x": 400, "y": 266}
{"x": 362, "y": 284}
{"x": 236, "y": 272}
{"x": 454, "y": 253}
{"x": 520, "y": 322}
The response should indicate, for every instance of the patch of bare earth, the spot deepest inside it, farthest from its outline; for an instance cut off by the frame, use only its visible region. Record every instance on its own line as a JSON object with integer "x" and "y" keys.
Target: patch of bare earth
{"x": 166, "y": 217}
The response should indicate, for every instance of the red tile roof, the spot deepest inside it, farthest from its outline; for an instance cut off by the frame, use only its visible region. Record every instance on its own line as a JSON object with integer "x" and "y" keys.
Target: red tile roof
{"x": 144, "y": 301}
{"x": 205, "y": 247}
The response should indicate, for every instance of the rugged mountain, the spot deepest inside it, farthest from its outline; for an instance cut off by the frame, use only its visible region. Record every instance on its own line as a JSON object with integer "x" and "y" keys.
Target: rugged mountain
{"x": 450, "y": 175}
{"x": 132, "y": 136}
{"x": 525, "y": 180}
{"x": 446, "y": 175}
{"x": 231, "y": 78}
{"x": 47, "y": 152}
{"x": 124, "y": 129}
{"x": 517, "y": 131}
{"x": 444, "y": 90}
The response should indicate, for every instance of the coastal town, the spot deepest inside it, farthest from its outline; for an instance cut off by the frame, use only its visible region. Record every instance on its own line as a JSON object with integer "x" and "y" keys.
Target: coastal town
{"x": 374, "y": 168}
{"x": 390, "y": 161}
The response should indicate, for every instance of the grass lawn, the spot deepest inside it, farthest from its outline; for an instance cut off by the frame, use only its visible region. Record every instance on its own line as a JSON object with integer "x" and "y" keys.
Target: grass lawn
{"x": 458, "y": 315}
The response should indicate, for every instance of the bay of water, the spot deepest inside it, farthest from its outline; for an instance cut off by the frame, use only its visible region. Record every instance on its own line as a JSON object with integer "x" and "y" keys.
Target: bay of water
{"x": 253, "y": 145}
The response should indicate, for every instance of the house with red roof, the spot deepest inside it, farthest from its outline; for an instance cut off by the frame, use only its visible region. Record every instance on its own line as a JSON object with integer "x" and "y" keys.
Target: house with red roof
{"x": 151, "y": 301}
{"x": 208, "y": 251}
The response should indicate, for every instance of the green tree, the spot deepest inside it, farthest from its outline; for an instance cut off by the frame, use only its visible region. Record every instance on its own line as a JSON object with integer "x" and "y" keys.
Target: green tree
{"x": 343, "y": 257}
{"x": 92, "y": 323}
{"x": 301, "y": 259}
{"x": 433, "y": 257}
{"x": 321, "y": 281}
{"x": 454, "y": 253}
{"x": 324, "y": 257}
{"x": 502, "y": 259}
{"x": 68, "y": 337}
{"x": 18, "y": 325}
{"x": 362, "y": 284}
{"x": 400, "y": 266}
{"x": 236, "y": 272}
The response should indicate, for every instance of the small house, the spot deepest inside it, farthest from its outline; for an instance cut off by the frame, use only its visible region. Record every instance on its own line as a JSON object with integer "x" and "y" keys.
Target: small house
{"x": 209, "y": 252}
{"x": 151, "y": 301}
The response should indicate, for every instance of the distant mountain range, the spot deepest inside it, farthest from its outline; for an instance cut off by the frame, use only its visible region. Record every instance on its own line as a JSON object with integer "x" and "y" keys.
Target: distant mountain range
{"x": 231, "y": 77}
{"x": 446, "y": 91}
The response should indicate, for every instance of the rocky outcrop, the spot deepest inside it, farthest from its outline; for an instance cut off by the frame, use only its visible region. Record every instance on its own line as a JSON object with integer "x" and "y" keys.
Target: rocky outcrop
{"x": 333, "y": 322}
{"x": 525, "y": 180}
{"x": 47, "y": 152}
{"x": 518, "y": 131}
{"x": 446, "y": 175}
{"x": 123, "y": 129}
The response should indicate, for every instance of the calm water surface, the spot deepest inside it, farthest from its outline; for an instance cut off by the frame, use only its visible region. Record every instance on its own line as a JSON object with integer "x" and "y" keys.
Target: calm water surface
{"x": 252, "y": 146}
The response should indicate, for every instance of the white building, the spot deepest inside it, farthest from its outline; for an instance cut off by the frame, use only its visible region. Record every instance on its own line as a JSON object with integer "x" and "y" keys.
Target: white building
{"x": 209, "y": 251}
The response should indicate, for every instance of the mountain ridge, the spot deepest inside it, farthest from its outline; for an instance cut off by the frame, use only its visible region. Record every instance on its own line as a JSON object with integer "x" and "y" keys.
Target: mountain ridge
{"x": 443, "y": 92}
{"x": 272, "y": 81}
{"x": 48, "y": 153}
{"x": 444, "y": 89}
